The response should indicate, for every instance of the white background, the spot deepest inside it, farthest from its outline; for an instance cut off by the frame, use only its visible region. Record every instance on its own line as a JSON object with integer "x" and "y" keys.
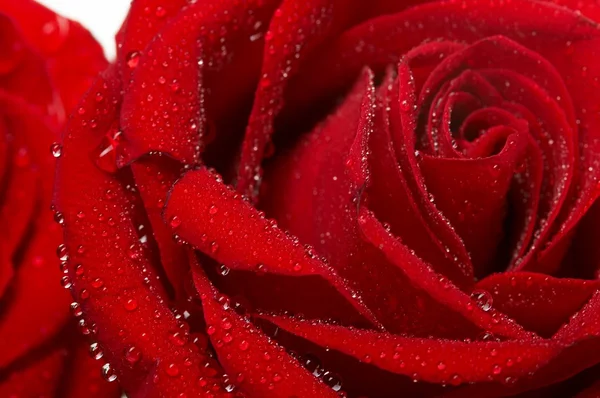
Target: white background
{"x": 102, "y": 17}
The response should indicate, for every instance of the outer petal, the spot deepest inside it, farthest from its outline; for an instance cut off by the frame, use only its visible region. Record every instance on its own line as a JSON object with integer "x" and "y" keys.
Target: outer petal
{"x": 433, "y": 360}
{"x": 538, "y": 302}
{"x": 262, "y": 368}
{"x": 172, "y": 78}
{"x": 112, "y": 275}
{"x": 36, "y": 309}
{"x": 72, "y": 55}
{"x": 144, "y": 20}
{"x": 38, "y": 378}
{"x": 23, "y": 71}
{"x": 295, "y": 30}
{"x": 442, "y": 291}
{"x": 83, "y": 375}
{"x": 208, "y": 214}
{"x": 581, "y": 74}
{"x": 381, "y": 41}
{"x": 155, "y": 176}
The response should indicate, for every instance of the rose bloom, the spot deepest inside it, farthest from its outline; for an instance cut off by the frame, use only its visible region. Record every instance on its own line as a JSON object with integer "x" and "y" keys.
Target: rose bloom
{"x": 46, "y": 63}
{"x": 322, "y": 198}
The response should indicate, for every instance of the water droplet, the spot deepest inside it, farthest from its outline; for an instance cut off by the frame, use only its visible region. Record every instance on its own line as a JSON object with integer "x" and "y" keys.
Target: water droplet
{"x": 226, "y": 324}
{"x": 213, "y": 210}
{"x": 131, "y": 305}
{"x": 96, "y": 351}
{"x": 497, "y": 369}
{"x": 86, "y": 329}
{"x": 172, "y": 370}
{"x": 483, "y": 299}
{"x": 332, "y": 380}
{"x": 79, "y": 270}
{"x": 104, "y": 154}
{"x": 133, "y": 355}
{"x": 228, "y": 384}
{"x": 97, "y": 283}
{"x": 223, "y": 270}
{"x": 175, "y": 222}
{"x": 160, "y": 12}
{"x": 108, "y": 373}
{"x": 56, "y": 150}
{"x": 133, "y": 59}
{"x": 76, "y": 309}
{"x": 441, "y": 366}
{"x": 65, "y": 282}
{"x": 179, "y": 338}
{"x": 244, "y": 345}
{"x": 84, "y": 294}
{"x": 313, "y": 365}
{"x": 62, "y": 252}
{"x": 59, "y": 218}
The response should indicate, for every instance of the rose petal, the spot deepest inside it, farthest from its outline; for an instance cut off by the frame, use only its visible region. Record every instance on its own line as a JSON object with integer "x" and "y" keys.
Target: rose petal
{"x": 538, "y": 302}
{"x": 73, "y": 57}
{"x": 403, "y": 119}
{"x": 579, "y": 336}
{"x": 583, "y": 259}
{"x": 38, "y": 378}
{"x": 473, "y": 193}
{"x": 154, "y": 176}
{"x": 381, "y": 41}
{"x": 170, "y": 78}
{"x": 284, "y": 51}
{"x": 227, "y": 228}
{"x": 17, "y": 206}
{"x": 581, "y": 75}
{"x": 144, "y": 20}
{"x": 83, "y": 375}
{"x": 594, "y": 390}
{"x": 324, "y": 177}
{"x": 262, "y": 367}
{"x": 555, "y": 143}
{"x": 442, "y": 291}
{"x": 432, "y": 360}
{"x": 39, "y": 308}
{"x": 393, "y": 203}
{"x": 588, "y": 9}
{"x": 111, "y": 274}
{"x": 23, "y": 72}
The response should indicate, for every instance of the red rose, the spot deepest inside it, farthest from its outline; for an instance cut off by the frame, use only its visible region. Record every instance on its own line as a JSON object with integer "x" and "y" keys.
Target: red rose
{"x": 318, "y": 198}
{"x": 46, "y": 63}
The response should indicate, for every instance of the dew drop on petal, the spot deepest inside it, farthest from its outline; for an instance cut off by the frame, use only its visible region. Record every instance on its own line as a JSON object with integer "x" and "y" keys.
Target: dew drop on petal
{"x": 131, "y": 304}
{"x": 62, "y": 252}
{"x": 97, "y": 283}
{"x": 59, "y": 218}
{"x": 172, "y": 370}
{"x": 332, "y": 380}
{"x": 133, "y": 59}
{"x": 108, "y": 373}
{"x": 483, "y": 299}
{"x": 56, "y": 149}
{"x": 175, "y": 222}
{"x": 65, "y": 282}
{"x": 244, "y": 345}
{"x": 133, "y": 355}
{"x": 76, "y": 309}
{"x": 96, "y": 351}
